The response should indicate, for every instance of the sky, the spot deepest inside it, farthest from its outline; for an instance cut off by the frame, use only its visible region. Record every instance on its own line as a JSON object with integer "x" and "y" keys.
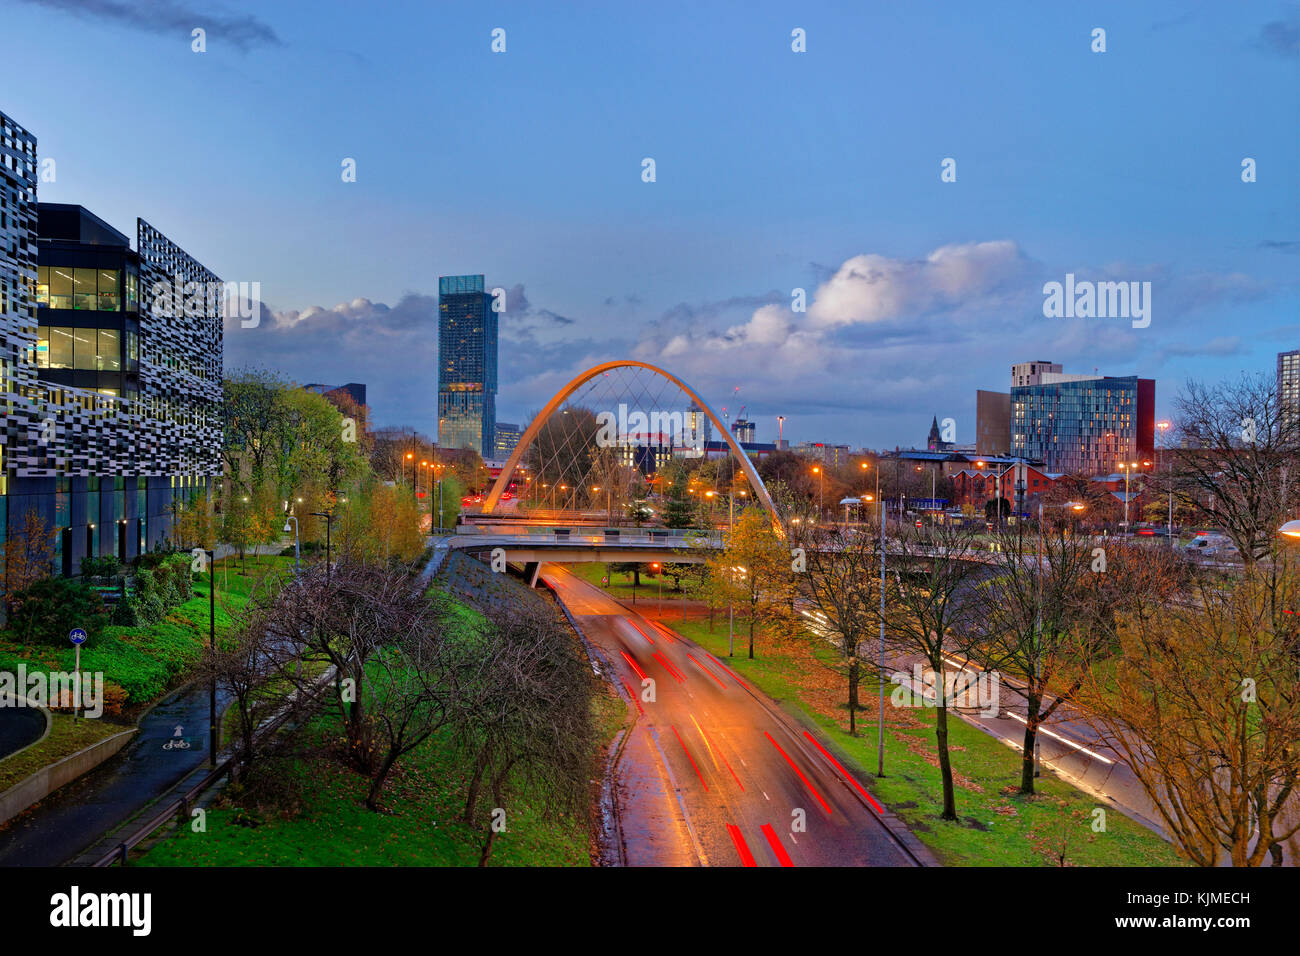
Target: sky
{"x": 774, "y": 171}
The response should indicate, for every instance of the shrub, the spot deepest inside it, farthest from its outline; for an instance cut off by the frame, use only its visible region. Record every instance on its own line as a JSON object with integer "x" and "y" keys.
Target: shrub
{"x": 127, "y": 612}
{"x": 49, "y": 609}
{"x": 150, "y": 608}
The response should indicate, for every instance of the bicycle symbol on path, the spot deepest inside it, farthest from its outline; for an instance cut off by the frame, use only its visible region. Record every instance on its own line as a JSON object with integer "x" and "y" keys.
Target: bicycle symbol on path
{"x": 178, "y": 741}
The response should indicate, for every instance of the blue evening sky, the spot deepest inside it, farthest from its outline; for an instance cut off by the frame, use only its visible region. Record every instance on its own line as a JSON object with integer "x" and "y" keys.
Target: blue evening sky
{"x": 775, "y": 170}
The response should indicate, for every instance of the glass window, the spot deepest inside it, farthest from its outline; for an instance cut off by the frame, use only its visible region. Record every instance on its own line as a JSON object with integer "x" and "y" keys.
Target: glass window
{"x": 83, "y": 288}
{"x": 85, "y": 349}
{"x": 110, "y": 350}
{"x": 43, "y": 347}
{"x": 60, "y": 347}
{"x": 132, "y": 351}
{"x": 132, "y": 292}
{"x": 60, "y": 287}
{"x": 109, "y": 290}
{"x": 43, "y": 285}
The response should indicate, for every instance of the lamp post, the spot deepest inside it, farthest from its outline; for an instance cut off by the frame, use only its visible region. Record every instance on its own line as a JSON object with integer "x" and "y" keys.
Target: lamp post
{"x": 297, "y": 542}
{"x": 212, "y": 644}
{"x": 1164, "y": 427}
{"x": 657, "y": 568}
{"x": 821, "y": 485}
{"x": 329, "y": 518}
{"x": 1127, "y": 468}
{"x": 731, "y": 605}
{"x": 880, "y": 720}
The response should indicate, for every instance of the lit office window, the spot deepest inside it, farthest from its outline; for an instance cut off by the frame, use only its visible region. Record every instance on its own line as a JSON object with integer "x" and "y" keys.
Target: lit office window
{"x": 83, "y": 288}
{"x": 108, "y": 290}
{"x": 109, "y": 352}
{"x": 60, "y": 347}
{"x": 60, "y": 287}
{"x": 85, "y": 349}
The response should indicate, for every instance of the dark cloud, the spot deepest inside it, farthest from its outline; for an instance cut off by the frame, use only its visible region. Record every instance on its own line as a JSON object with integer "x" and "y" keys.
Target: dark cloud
{"x": 520, "y": 316}
{"x": 168, "y": 17}
{"x": 1281, "y": 245}
{"x": 1282, "y": 37}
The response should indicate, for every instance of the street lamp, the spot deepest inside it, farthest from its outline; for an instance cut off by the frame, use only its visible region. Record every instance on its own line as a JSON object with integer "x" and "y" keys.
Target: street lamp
{"x": 1164, "y": 443}
{"x": 821, "y": 485}
{"x": 1127, "y": 468}
{"x": 659, "y": 612}
{"x": 880, "y": 720}
{"x": 212, "y": 643}
{"x": 297, "y": 543}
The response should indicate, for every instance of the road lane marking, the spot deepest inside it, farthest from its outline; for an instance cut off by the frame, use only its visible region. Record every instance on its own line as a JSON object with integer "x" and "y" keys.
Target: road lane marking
{"x": 746, "y": 858}
{"x": 807, "y": 783}
{"x": 681, "y": 803}
{"x": 781, "y": 856}
{"x": 707, "y": 743}
{"x": 1067, "y": 742}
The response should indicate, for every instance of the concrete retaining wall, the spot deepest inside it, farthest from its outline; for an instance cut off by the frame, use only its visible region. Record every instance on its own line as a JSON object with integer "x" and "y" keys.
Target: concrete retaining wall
{"x": 48, "y": 779}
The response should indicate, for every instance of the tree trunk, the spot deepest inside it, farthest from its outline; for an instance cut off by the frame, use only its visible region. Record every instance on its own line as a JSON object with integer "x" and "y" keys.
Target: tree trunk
{"x": 475, "y": 783}
{"x": 1027, "y": 758}
{"x": 381, "y": 777}
{"x": 945, "y": 764}
{"x": 498, "y": 787}
{"x": 853, "y": 696}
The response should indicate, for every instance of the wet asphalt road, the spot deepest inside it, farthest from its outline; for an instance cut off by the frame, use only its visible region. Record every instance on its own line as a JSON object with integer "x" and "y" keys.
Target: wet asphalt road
{"x": 19, "y": 726}
{"x": 710, "y": 776}
{"x": 76, "y": 816}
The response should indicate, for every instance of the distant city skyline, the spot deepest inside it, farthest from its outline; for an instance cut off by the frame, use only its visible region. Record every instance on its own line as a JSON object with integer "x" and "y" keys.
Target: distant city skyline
{"x": 775, "y": 171}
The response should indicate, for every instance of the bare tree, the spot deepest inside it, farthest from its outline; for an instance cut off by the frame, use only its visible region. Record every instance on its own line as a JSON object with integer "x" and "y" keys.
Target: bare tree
{"x": 527, "y": 714}
{"x": 242, "y": 664}
{"x": 1240, "y": 449}
{"x": 343, "y": 618}
{"x": 841, "y": 590}
{"x": 413, "y": 686}
{"x": 927, "y": 614}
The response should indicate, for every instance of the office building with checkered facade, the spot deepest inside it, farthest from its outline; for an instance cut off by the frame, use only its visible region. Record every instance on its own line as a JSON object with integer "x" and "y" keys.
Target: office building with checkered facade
{"x": 110, "y": 383}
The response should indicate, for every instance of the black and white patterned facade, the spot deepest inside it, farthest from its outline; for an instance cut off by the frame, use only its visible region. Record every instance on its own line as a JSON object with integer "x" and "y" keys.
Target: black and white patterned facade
{"x": 173, "y": 426}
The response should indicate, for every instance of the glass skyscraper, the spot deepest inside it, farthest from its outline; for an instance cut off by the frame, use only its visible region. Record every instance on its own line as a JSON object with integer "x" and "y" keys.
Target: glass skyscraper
{"x": 467, "y": 365}
{"x": 1084, "y": 426}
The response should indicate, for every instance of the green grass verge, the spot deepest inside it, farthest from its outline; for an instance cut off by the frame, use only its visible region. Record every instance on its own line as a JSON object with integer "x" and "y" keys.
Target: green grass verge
{"x": 621, "y": 584}
{"x": 67, "y": 735}
{"x": 996, "y": 826}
